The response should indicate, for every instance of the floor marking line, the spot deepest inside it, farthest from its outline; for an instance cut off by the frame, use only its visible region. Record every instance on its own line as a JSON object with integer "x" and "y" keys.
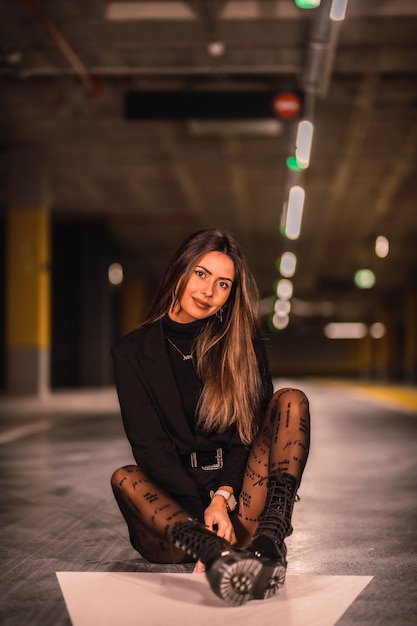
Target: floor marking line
{"x": 23, "y": 431}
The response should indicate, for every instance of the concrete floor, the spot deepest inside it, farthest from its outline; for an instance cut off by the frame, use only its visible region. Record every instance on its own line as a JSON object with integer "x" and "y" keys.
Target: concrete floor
{"x": 357, "y": 514}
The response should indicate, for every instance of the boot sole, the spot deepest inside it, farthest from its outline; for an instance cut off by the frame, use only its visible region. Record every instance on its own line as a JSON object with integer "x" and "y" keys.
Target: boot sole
{"x": 270, "y": 578}
{"x": 237, "y": 580}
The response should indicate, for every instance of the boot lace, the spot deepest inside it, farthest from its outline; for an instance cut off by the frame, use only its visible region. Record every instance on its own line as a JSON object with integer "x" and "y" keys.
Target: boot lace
{"x": 275, "y": 520}
{"x": 197, "y": 541}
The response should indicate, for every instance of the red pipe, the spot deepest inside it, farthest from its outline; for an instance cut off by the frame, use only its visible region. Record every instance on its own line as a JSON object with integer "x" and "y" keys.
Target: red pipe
{"x": 92, "y": 86}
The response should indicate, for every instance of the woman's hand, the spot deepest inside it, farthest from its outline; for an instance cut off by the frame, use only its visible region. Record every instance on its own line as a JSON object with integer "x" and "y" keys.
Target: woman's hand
{"x": 216, "y": 519}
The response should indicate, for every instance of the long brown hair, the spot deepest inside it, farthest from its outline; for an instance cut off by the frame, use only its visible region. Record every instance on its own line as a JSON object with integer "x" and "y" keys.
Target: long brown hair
{"x": 227, "y": 363}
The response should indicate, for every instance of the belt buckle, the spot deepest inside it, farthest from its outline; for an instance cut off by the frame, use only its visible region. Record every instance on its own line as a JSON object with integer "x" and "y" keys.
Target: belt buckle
{"x": 213, "y": 466}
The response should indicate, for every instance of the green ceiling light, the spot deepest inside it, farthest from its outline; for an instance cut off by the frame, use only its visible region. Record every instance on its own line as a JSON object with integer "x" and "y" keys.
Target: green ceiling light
{"x": 364, "y": 279}
{"x": 293, "y": 164}
{"x": 307, "y": 4}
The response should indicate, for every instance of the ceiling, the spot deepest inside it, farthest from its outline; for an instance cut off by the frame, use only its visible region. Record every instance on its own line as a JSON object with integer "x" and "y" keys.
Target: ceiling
{"x": 66, "y": 68}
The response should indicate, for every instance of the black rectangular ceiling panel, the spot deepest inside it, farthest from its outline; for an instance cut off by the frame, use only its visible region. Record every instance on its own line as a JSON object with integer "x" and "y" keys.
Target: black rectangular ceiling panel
{"x": 199, "y": 105}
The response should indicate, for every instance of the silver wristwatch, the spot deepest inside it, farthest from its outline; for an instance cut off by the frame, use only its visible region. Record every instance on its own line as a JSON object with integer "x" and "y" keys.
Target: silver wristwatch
{"x": 229, "y": 497}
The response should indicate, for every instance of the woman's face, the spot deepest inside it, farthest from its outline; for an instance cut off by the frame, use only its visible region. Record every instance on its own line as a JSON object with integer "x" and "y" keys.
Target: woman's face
{"x": 207, "y": 289}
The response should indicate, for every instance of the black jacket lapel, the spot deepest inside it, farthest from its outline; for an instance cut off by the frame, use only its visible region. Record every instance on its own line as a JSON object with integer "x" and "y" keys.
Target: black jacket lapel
{"x": 162, "y": 386}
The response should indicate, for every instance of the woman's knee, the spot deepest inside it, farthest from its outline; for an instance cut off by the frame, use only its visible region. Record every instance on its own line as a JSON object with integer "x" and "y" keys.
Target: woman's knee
{"x": 290, "y": 395}
{"x": 120, "y": 475}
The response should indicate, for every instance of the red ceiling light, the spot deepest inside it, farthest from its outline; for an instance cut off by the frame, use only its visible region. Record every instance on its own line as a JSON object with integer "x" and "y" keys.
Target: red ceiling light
{"x": 287, "y": 105}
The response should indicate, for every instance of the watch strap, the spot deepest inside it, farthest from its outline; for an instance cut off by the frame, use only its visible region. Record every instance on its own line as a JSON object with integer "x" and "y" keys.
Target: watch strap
{"x": 227, "y": 495}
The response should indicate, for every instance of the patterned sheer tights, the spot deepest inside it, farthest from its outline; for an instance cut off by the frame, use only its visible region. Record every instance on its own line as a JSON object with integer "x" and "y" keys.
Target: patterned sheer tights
{"x": 150, "y": 515}
{"x": 281, "y": 445}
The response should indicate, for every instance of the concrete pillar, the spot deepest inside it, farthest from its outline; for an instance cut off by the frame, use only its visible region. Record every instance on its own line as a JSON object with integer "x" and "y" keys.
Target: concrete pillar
{"x": 27, "y": 274}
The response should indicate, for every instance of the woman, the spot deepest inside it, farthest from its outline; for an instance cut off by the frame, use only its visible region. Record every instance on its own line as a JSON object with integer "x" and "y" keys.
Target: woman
{"x": 219, "y": 455}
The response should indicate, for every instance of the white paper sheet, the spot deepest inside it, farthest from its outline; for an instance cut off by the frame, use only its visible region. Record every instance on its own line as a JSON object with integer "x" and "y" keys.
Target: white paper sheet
{"x": 166, "y": 599}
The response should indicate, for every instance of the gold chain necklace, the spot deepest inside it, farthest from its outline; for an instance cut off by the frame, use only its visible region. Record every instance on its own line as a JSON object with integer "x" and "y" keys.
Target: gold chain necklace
{"x": 185, "y": 357}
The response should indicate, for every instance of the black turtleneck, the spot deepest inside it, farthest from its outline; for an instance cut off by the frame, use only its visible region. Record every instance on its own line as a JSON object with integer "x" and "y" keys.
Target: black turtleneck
{"x": 183, "y": 337}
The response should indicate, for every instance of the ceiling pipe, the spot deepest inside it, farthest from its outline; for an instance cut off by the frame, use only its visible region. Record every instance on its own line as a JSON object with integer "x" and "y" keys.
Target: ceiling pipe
{"x": 207, "y": 12}
{"x": 90, "y": 85}
{"x": 321, "y": 50}
{"x": 315, "y": 80}
{"x": 203, "y": 70}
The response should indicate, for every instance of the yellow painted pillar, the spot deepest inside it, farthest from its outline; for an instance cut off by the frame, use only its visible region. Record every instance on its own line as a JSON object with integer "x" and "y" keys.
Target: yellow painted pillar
{"x": 386, "y": 349}
{"x": 410, "y": 337}
{"x": 133, "y": 305}
{"x": 364, "y": 356}
{"x": 27, "y": 280}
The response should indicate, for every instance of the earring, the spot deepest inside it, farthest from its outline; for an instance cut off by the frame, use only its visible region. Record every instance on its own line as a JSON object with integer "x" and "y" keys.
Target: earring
{"x": 219, "y": 314}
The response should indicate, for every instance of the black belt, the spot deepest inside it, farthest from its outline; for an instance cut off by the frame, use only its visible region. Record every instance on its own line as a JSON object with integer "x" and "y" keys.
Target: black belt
{"x": 212, "y": 460}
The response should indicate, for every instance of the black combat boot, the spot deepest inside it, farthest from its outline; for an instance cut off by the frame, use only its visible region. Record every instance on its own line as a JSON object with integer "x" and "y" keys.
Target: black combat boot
{"x": 234, "y": 575}
{"x": 274, "y": 526}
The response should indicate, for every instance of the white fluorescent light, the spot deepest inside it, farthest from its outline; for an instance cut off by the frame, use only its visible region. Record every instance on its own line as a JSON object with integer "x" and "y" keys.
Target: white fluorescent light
{"x": 303, "y": 143}
{"x": 294, "y": 212}
{"x": 338, "y": 10}
{"x": 127, "y": 11}
{"x": 222, "y": 128}
{"x": 282, "y": 307}
{"x": 284, "y": 289}
{"x": 115, "y": 274}
{"x": 215, "y": 48}
{"x": 345, "y": 330}
{"x": 280, "y": 322}
{"x": 377, "y": 330}
{"x": 381, "y": 246}
{"x": 288, "y": 264}
{"x": 259, "y": 10}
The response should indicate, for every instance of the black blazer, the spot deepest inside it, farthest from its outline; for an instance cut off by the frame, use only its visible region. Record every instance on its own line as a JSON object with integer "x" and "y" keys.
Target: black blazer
{"x": 160, "y": 435}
